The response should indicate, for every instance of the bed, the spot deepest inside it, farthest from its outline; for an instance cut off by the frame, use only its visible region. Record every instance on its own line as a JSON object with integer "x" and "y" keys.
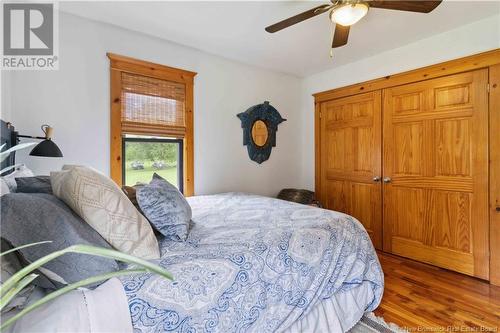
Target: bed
{"x": 249, "y": 264}
{"x": 258, "y": 264}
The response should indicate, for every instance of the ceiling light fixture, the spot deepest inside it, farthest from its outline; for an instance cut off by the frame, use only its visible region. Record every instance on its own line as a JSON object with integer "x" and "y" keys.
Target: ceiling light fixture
{"x": 348, "y": 14}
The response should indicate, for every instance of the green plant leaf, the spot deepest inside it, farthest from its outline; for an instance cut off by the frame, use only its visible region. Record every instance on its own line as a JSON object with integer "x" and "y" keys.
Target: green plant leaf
{"x": 17, "y": 288}
{"x": 21, "y": 278}
{"x": 84, "y": 249}
{"x": 22, "y": 246}
{"x": 5, "y": 154}
{"x": 10, "y": 167}
{"x": 67, "y": 289}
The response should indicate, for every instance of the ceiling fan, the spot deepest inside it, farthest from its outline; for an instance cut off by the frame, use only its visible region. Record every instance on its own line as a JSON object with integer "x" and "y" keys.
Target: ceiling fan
{"x": 345, "y": 13}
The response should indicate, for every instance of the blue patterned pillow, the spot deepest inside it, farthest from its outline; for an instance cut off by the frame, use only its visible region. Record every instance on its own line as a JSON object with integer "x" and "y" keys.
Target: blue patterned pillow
{"x": 165, "y": 208}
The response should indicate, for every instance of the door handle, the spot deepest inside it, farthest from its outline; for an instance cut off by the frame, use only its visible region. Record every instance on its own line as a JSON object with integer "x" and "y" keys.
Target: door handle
{"x": 387, "y": 180}
{"x": 376, "y": 179}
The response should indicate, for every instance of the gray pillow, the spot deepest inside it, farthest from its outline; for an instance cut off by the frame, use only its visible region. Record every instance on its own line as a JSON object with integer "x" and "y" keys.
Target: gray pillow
{"x": 28, "y": 218}
{"x": 165, "y": 208}
{"x": 37, "y": 184}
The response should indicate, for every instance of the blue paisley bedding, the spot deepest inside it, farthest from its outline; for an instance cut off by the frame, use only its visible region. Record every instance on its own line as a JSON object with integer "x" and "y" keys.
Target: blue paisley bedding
{"x": 252, "y": 264}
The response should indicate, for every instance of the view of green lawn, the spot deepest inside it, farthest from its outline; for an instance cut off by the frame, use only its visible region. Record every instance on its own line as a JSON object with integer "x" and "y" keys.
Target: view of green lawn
{"x": 144, "y": 154}
{"x": 133, "y": 177}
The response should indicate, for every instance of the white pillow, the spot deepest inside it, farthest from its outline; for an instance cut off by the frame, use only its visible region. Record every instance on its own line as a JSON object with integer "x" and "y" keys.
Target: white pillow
{"x": 10, "y": 179}
{"x": 103, "y": 205}
{"x": 4, "y": 188}
{"x": 104, "y": 309}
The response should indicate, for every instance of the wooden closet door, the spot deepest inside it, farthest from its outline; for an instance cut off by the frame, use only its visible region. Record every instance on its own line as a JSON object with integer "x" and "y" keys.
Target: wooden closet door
{"x": 350, "y": 132}
{"x": 436, "y": 172}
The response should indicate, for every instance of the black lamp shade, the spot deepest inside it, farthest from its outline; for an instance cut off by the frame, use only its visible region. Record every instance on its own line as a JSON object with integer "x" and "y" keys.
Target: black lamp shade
{"x": 46, "y": 148}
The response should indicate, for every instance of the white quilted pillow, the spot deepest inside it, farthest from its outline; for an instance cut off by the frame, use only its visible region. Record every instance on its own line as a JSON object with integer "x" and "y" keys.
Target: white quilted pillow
{"x": 103, "y": 205}
{"x": 10, "y": 179}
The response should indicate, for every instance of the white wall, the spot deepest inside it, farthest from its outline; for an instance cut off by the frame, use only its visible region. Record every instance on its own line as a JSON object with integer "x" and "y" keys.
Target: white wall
{"x": 75, "y": 101}
{"x": 5, "y": 96}
{"x": 469, "y": 39}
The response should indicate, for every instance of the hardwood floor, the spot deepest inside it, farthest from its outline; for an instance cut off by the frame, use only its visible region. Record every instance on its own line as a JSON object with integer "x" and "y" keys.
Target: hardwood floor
{"x": 424, "y": 298}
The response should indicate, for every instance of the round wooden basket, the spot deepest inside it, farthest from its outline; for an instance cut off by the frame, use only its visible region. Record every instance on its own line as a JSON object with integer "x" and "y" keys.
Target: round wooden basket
{"x": 305, "y": 197}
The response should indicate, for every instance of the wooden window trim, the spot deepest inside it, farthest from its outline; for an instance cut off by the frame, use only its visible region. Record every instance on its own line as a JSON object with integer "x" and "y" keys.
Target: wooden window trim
{"x": 489, "y": 60}
{"x": 119, "y": 64}
{"x": 146, "y": 68}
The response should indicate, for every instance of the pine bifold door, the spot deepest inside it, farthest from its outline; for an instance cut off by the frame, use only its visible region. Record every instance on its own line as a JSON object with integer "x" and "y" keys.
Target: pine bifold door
{"x": 435, "y": 172}
{"x": 350, "y": 162}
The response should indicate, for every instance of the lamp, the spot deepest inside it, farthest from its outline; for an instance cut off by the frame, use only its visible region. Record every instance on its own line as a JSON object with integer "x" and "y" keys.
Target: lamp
{"x": 349, "y": 13}
{"x": 46, "y": 148}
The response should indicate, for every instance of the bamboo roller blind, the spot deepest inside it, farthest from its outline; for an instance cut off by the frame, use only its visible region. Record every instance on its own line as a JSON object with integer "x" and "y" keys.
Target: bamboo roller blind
{"x": 152, "y": 106}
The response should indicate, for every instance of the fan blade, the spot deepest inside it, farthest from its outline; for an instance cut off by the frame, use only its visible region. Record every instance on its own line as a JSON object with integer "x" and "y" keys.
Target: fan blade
{"x": 340, "y": 36}
{"x": 409, "y": 6}
{"x": 298, "y": 18}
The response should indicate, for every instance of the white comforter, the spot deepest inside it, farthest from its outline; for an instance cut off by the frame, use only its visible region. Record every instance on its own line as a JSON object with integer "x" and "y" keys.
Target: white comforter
{"x": 255, "y": 264}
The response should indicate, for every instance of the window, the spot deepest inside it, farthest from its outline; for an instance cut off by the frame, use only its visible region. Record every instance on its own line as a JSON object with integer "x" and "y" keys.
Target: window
{"x": 151, "y": 123}
{"x": 144, "y": 156}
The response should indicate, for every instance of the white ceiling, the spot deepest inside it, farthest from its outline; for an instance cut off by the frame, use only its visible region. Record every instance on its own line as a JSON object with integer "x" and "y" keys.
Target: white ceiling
{"x": 235, "y": 30}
